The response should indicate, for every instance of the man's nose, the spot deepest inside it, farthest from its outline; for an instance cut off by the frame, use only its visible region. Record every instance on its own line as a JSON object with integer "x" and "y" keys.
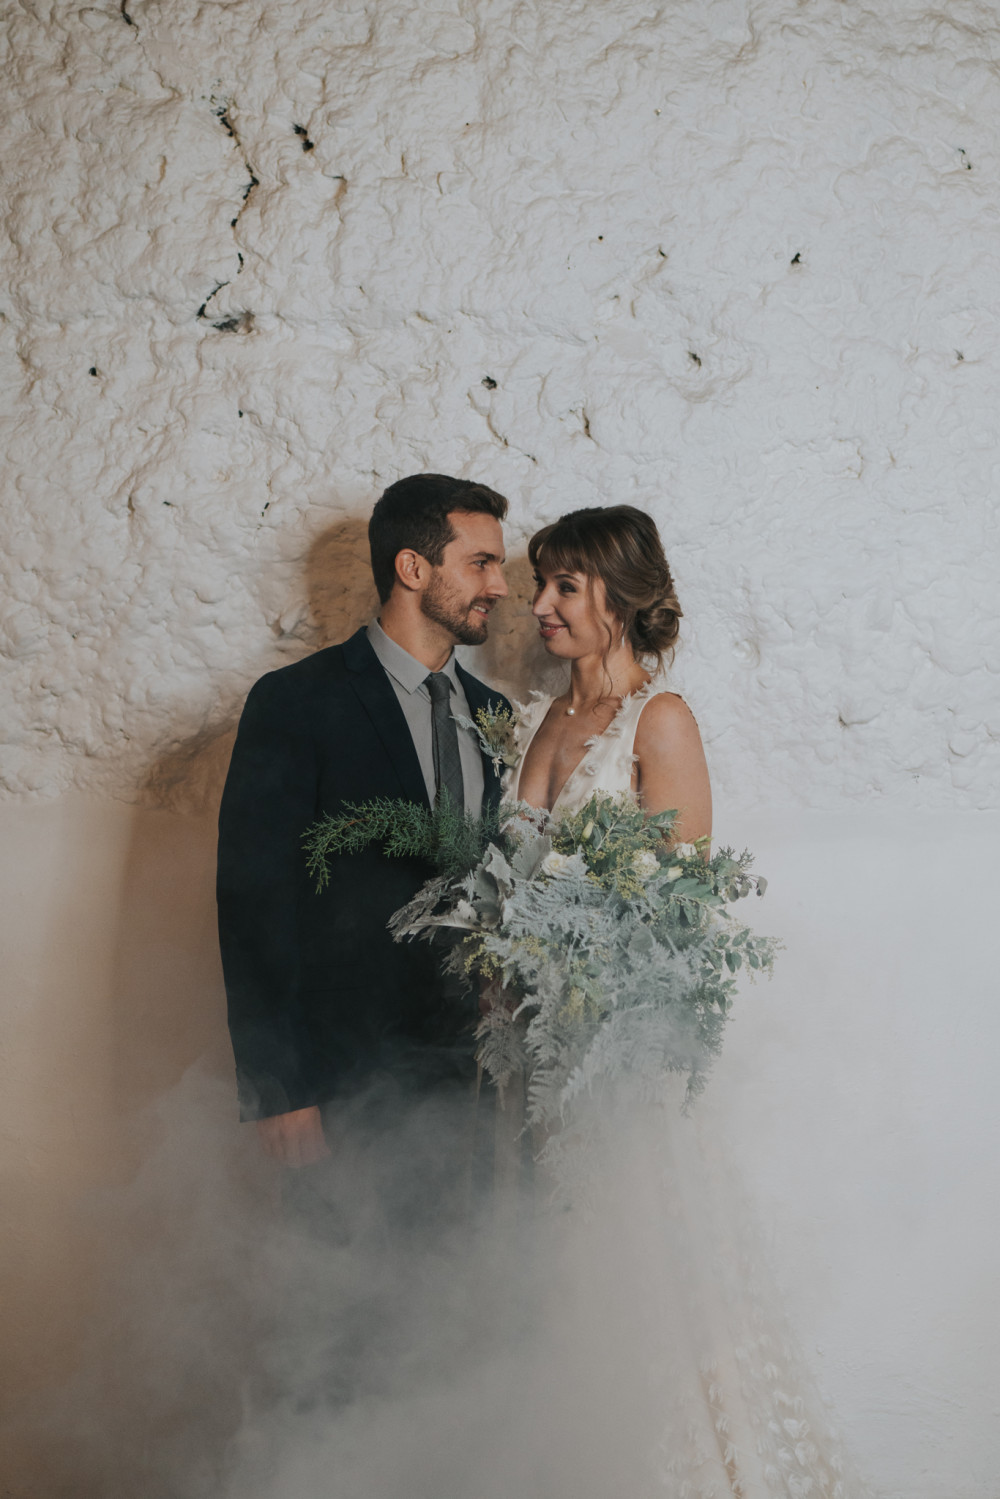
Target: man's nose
{"x": 498, "y": 585}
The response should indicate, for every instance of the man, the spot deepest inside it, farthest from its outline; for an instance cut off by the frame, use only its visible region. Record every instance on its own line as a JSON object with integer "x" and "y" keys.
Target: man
{"x": 320, "y": 997}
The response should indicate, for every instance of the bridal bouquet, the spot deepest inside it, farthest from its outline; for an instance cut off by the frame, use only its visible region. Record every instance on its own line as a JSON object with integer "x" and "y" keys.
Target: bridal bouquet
{"x": 602, "y": 950}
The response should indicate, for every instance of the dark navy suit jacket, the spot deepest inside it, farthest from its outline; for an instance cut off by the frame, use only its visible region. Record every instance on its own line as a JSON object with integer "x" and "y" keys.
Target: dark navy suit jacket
{"x": 319, "y": 995}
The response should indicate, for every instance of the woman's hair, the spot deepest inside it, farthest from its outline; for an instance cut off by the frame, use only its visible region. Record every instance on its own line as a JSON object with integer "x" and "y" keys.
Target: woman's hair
{"x": 620, "y": 545}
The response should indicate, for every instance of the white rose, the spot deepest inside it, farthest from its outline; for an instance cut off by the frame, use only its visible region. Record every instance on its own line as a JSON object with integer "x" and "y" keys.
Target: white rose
{"x": 554, "y": 863}
{"x": 674, "y": 873}
{"x": 685, "y": 850}
{"x": 645, "y": 864}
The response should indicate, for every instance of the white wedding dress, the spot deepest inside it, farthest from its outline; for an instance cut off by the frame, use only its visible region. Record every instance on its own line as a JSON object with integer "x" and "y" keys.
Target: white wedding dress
{"x": 676, "y": 1376}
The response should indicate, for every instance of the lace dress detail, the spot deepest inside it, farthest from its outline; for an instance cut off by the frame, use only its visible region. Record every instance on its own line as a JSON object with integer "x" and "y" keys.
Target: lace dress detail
{"x": 608, "y": 759}
{"x": 662, "y": 1271}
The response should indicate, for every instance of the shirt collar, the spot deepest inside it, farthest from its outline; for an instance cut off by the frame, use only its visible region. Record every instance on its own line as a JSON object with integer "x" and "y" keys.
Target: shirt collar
{"x": 405, "y": 669}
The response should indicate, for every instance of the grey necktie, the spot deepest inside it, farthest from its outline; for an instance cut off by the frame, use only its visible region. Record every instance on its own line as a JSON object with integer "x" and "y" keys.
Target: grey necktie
{"x": 447, "y": 761}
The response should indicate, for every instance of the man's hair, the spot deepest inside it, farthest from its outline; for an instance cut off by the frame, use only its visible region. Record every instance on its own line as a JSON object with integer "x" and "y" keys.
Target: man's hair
{"x": 413, "y": 515}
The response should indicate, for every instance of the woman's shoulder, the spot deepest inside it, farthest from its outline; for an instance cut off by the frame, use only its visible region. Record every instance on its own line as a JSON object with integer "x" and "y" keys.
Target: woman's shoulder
{"x": 665, "y": 715}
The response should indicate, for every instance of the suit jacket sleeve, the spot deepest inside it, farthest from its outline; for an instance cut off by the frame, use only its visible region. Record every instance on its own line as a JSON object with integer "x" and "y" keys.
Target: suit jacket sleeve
{"x": 268, "y": 802}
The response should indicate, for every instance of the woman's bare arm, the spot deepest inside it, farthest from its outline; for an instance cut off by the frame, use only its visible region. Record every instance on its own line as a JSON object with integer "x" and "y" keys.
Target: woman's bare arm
{"x": 672, "y": 768}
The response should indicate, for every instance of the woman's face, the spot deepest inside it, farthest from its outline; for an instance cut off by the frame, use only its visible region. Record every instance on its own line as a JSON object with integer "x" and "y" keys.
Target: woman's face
{"x": 573, "y": 615}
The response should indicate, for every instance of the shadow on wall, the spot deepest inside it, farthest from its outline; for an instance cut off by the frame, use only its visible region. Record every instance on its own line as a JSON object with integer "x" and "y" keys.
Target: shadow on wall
{"x": 337, "y": 597}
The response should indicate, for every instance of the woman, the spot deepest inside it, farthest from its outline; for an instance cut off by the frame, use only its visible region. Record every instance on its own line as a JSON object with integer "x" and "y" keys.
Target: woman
{"x": 605, "y": 602}
{"x": 683, "y": 1381}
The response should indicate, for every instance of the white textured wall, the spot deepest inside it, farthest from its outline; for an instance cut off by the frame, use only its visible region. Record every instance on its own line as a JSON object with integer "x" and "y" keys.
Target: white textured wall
{"x": 734, "y": 262}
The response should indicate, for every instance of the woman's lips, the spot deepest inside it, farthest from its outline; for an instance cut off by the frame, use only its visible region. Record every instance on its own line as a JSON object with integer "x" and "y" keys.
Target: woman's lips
{"x": 547, "y": 631}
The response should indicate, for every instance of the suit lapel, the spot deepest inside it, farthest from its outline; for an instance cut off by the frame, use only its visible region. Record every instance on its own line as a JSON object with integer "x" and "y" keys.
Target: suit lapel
{"x": 376, "y": 695}
{"x": 478, "y": 695}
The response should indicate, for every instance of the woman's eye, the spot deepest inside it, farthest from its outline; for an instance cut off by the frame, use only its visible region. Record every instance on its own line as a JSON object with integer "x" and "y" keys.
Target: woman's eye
{"x": 566, "y": 588}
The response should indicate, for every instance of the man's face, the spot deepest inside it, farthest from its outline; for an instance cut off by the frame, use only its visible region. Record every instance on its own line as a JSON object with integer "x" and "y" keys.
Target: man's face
{"x": 469, "y": 581}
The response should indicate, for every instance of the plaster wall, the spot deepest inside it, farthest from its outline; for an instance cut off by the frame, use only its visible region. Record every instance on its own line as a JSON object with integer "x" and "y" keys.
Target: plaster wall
{"x": 735, "y": 263}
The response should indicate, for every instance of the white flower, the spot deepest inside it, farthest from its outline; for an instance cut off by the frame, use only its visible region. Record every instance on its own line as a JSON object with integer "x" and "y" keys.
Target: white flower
{"x": 674, "y": 873}
{"x": 685, "y": 850}
{"x": 645, "y": 864}
{"x": 554, "y": 863}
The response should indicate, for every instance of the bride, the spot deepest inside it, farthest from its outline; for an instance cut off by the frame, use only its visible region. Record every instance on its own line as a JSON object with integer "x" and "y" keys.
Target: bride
{"x": 685, "y": 1380}
{"x": 605, "y": 602}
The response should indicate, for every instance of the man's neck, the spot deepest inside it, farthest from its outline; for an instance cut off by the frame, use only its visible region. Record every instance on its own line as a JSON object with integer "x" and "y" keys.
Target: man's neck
{"x": 419, "y": 636}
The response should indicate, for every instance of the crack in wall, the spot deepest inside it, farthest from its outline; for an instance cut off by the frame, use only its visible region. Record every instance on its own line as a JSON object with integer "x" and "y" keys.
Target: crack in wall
{"x": 221, "y": 111}
{"x": 237, "y": 322}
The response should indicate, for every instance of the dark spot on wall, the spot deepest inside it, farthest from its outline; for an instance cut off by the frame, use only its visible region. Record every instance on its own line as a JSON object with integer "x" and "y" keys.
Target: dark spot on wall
{"x": 796, "y": 258}
{"x": 600, "y": 236}
{"x": 125, "y": 15}
{"x": 489, "y": 382}
{"x": 695, "y": 358}
{"x": 239, "y": 413}
{"x": 967, "y": 164}
{"x": 221, "y": 113}
{"x": 241, "y": 323}
{"x": 662, "y": 253}
{"x": 92, "y": 370}
{"x": 307, "y": 144}
{"x": 959, "y": 355}
{"x": 250, "y": 187}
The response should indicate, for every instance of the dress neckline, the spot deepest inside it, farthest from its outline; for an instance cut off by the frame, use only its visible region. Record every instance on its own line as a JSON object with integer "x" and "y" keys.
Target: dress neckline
{"x": 611, "y": 729}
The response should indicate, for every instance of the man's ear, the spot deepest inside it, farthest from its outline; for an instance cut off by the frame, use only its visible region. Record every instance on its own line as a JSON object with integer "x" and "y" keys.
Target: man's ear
{"x": 411, "y": 570}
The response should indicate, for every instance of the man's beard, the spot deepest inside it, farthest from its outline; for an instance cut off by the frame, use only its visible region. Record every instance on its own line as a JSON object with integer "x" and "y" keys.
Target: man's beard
{"x": 446, "y": 608}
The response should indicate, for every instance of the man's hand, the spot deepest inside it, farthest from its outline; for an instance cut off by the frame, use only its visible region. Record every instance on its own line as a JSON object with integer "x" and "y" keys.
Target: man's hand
{"x": 294, "y": 1139}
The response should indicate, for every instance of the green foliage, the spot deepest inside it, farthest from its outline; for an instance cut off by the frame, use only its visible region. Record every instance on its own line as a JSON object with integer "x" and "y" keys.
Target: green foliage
{"x": 618, "y": 945}
{"x": 613, "y": 950}
{"x": 444, "y": 836}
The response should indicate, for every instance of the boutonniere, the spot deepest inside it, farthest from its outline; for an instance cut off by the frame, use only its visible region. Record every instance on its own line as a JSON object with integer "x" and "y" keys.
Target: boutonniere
{"x": 496, "y": 730}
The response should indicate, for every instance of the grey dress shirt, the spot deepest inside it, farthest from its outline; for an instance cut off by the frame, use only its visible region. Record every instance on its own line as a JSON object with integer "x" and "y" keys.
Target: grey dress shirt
{"x": 407, "y": 676}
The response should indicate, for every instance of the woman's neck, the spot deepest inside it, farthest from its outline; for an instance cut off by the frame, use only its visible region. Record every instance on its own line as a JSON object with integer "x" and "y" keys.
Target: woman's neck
{"x": 597, "y": 679}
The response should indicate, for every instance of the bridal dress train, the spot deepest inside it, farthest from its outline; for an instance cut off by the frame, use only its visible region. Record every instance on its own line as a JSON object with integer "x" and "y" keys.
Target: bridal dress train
{"x": 669, "y": 1371}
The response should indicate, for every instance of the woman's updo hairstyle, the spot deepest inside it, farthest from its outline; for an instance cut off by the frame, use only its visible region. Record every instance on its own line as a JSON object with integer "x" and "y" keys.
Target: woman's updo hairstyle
{"x": 620, "y": 545}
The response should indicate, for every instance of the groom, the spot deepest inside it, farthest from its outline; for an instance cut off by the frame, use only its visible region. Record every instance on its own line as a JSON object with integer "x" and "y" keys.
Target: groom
{"x": 320, "y": 997}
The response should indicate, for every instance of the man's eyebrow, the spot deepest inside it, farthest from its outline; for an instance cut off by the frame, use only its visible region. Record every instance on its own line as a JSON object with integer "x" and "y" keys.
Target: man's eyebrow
{"x": 490, "y": 556}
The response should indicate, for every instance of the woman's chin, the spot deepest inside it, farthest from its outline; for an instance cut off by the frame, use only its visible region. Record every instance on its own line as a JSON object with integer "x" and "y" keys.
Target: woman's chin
{"x": 561, "y": 649}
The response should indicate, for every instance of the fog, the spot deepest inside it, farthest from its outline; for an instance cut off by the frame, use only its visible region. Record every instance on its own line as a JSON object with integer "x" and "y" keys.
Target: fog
{"x": 172, "y": 1332}
{"x": 393, "y": 1322}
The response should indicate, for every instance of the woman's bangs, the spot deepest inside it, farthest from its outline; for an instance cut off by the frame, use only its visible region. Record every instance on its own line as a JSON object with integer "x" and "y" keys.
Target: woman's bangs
{"x": 562, "y": 554}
